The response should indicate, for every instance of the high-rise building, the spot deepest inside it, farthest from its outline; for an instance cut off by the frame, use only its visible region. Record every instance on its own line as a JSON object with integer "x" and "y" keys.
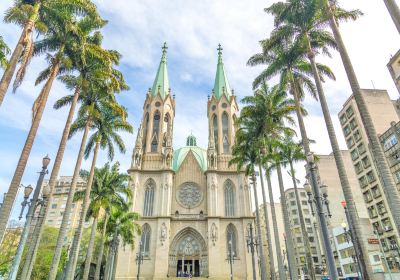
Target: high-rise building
{"x": 195, "y": 208}
{"x": 383, "y": 112}
{"x": 394, "y": 69}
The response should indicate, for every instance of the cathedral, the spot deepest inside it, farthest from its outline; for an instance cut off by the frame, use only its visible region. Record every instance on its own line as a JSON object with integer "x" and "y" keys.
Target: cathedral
{"x": 195, "y": 209}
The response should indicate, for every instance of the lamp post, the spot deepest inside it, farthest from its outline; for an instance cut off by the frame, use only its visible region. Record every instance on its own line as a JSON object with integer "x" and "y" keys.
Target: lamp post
{"x": 139, "y": 259}
{"x": 251, "y": 244}
{"x": 32, "y": 204}
{"x": 349, "y": 232}
{"x": 231, "y": 256}
{"x": 314, "y": 195}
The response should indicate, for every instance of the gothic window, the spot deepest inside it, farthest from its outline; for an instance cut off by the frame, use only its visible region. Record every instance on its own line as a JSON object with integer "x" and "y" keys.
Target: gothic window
{"x": 166, "y": 129}
{"x": 145, "y": 128}
{"x": 231, "y": 239}
{"x": 145, "y": 239}
{"x": 229, "y": 194}
{"x": 149, "y": 199}
{"x": 215, "y": 127}
{"x": 225, "y": 132}
{"x": 156, "y": 127}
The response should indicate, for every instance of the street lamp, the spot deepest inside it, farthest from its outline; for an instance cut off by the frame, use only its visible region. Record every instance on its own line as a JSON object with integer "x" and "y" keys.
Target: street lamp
{"x": 231, "y": 256}
{"x": 139, "y": 258}
{"x": 32, "y": 205}
{"x": 319, "y": 201}
{"x": 348, "y": 233}
{"x": 251, "y": 244}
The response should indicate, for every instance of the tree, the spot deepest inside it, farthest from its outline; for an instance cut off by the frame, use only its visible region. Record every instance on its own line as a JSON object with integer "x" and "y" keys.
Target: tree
{"x": 63, "y": 32}
{"x": 304, "y": 22}
{"x": 4, "y": 51}
{"x": 265, "y": 115}
{"x": 389, "y": 186}
{"x": 110, "y": 187}
{"x": 30, "y": 15}
{"x": 121, "y": 226}
{"x": 107, "y": 126}
{"x": 8, "y": 249}
{"x": 245, "y": 154}
{"x": 394, "y": 12}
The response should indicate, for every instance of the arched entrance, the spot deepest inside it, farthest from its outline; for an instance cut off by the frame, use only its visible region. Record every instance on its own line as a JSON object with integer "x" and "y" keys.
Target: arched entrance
{"x": 188, "y": 254}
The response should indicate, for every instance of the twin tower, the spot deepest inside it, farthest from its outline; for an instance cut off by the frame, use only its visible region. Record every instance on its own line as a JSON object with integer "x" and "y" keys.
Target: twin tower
{"x": 153, "y": 148}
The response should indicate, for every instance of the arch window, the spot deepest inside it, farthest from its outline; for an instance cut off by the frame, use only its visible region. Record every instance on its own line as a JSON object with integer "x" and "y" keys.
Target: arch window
{"x": 225, "y": 132}
{"x": 145, "y": 239}
{"x": 215, "y": 128}
{"x": 229, "y": 194}
{"x": 149, "y": 199}
{"x": 231, "y": 239}
{"x": 156, "y": 128}
{"x": 146, "y": 125}
{"x": 166, "y": 129}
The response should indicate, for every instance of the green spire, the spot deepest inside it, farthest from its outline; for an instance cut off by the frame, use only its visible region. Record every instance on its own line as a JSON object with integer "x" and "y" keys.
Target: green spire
{"x": 191, "y": 140}
{"x": 221, "y": 85}
{"x": 161, "y": 82}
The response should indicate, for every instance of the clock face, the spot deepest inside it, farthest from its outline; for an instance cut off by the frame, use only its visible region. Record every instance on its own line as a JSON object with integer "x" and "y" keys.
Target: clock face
{"x": 189, "y": 195}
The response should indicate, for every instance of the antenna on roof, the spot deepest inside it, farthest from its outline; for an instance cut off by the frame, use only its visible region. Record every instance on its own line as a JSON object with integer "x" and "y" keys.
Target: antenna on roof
{"x": 373, "y": 85}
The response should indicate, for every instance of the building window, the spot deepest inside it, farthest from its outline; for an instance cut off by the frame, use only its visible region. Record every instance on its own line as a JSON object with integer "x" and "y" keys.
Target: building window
{"x": 350, "y": 142}
{"x": 357, "y": 135}
{"x": 299, "y": 240}
{"x": 387, "y": 225}
{"x": 372, "y": 212}
{"x": 367, "y": 196}
{"x": 225, "y": 132}
{"x": 397, "y": 176}
{"x": 145, "y": 239}
{"x": 381, "y": 208}
{"x": 215, "y": 128}
{"x": 292, "y": 203}
{"x": 365, "y": 161}
{"x": 307, "y": 221}
{"x": 346, "y": 130}
{"x": 390, "y": 142}
{"x": 354, "y": 154}
{"x": 148, "y": 199}
{"x": 296, "y": 222}
{"x": 371, "y": 176}
{"x": 311, "y": 238}
{"x": 358, "y": 167}
{"x": 349, "y": 112}
{"x": 304, "y": 202}
{"x": 361, "y": 149}
{"x": 156, "y": 127}
{"x": 375, "y": 191}
{"x": 363, "y": 181}
{"x": 54, "y": 206}
{"x": 231, "y": 237}
{"x": 343, "y": 119}
{"x": 229, "y": 193}
{"x": 145, "y": 128}
{"x": 294, "y": 212}
{"x": 353, "y": 123}
{"x": 303, "y": 194}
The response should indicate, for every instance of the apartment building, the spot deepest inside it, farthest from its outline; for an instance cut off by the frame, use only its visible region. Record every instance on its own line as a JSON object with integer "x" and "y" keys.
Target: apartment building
{"x": 394, "y": 69}
{"x": 383, "y": 112}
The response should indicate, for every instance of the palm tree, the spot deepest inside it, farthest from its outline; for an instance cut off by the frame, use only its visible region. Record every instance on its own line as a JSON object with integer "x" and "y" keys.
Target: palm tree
{"x": 390, "y": 190}
{"x": 106, "y": 127}
{"x": 394, "y": 12}
{"x": 265, "y": 113}
{"x": 93, "y": 64}
{"x": 121, "y": 225}
{"x": 31, "y": 15}
{"x": 110, "y": 187}
{"x": 291, "y": 153}
{"x": 245, "y": 154}
{"x": 63, "y": 32}
{"x": 304, "y": 22}
{"x": 4, "y": 51}
{"x": 288, "y": 60}
{"x": 93, "y": 102}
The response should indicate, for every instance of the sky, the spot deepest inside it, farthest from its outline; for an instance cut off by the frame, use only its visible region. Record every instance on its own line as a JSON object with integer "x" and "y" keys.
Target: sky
{"x": 192, "y": 30}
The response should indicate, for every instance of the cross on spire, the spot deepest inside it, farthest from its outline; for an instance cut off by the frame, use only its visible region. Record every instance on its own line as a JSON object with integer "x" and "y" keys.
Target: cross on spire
{"x": 219, "y": 49}
{"x": 164, "y": 48}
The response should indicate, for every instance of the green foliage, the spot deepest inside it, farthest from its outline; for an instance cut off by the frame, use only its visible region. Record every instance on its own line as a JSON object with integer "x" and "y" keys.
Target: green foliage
{"x": 4, "y": 51}
{"x": 8, "y": 249}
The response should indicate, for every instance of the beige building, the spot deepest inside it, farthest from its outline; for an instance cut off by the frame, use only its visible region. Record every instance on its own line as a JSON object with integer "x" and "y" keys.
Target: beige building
{"x": 383, "y": 113}
{"x": 394, "y": 69}
{"x": 59, "y": 200}
{"x": 298, "y": 238}
{"x": 194, "y": 207}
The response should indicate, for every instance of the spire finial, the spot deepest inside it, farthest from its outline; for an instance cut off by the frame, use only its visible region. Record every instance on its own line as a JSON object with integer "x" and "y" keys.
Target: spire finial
{"x": 164, "y": 51}
{"x": 219, "y": 53}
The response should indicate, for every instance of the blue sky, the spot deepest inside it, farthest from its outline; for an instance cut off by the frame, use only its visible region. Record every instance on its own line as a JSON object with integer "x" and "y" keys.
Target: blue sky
{"x": 193, "y": 30}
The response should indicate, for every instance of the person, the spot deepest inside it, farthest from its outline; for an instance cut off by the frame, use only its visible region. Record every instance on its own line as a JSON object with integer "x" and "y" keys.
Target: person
{"x": 179, "y": 273}
{"x": 190, "y": 276}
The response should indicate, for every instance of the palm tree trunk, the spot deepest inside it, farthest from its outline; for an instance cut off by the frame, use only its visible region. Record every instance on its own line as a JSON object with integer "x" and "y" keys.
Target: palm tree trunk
{"x": 101, "y": 251}
{"x": 115, "y": 260}
{"x": 37, "y": 234}
{"x": 389, "y": 186}
{"x": 73, "y": 259}
{"x": 394, "y": 12}
{"x": 64, "y": 224}
{"x": 107, "y": 274}
{"x": 321, "y": 219}
{"x": 90, "y": 250}
{"x": 267, "y": 228}
{"x": 365, "y": 264}
{"x": 309, "y": 258}
{"x": 19, "y": 48}
{"x": 288, "y": 231}
{"x": 281, "y": 269}
{"x": 26, "y": 150}
{"x": 261, "y": 247}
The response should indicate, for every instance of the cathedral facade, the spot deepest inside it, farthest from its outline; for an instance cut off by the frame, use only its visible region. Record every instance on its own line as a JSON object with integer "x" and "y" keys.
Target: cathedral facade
{"x": 194, "y": 207}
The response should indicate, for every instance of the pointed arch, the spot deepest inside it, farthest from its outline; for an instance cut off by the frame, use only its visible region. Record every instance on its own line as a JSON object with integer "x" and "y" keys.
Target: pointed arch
{"x": 145, "y": 129}
{"x": 149, "y": 192}
{"x": 145, "y": 239}
{"x": 231, "y": 239}
{"x": 225, "y": 132}
{"x": 155, "y": 132}
{"x": 229, "y": 197}
{"x": 215, "y": 129}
